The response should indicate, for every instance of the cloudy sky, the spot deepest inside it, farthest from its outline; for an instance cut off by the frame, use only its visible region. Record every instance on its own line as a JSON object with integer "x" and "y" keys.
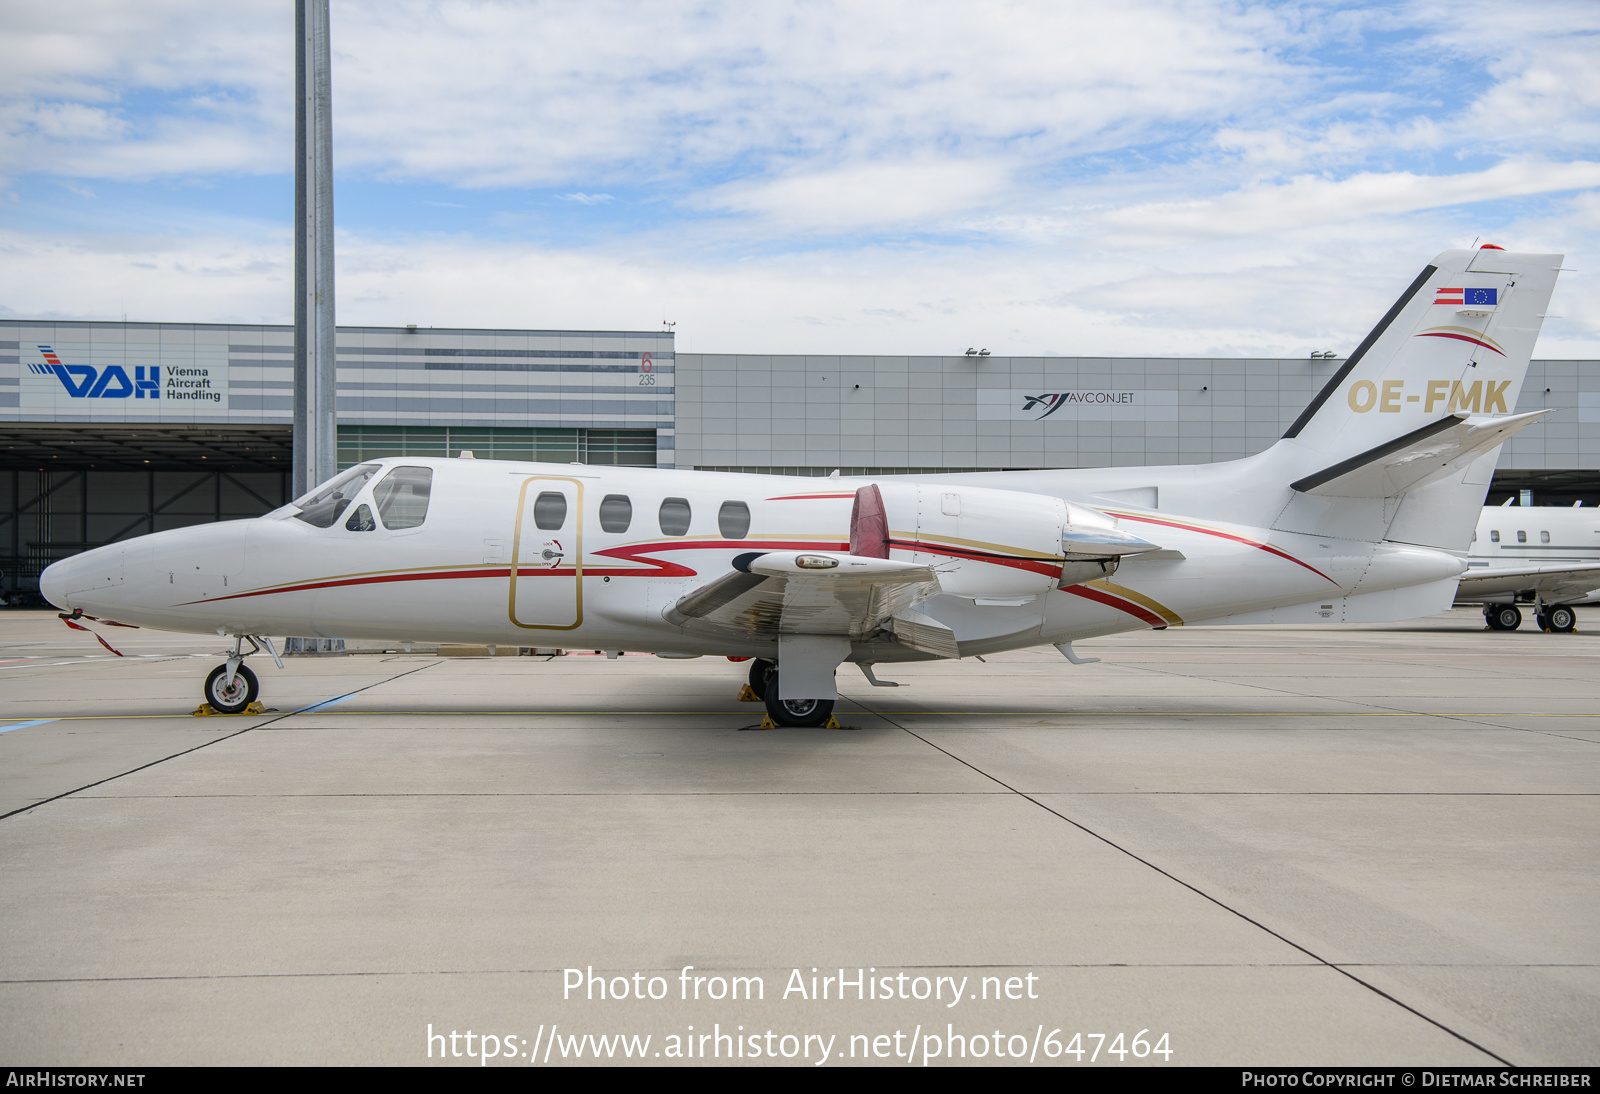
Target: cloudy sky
{"x": 870, "y": 176}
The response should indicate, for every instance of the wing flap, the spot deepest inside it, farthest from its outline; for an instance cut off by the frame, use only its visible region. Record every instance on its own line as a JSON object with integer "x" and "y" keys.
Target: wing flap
{"x": 782, "y": 593}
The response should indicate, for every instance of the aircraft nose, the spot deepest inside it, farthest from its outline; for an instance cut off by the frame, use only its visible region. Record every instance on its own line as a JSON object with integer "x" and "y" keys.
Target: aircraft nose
{"x": 53, "y": 583}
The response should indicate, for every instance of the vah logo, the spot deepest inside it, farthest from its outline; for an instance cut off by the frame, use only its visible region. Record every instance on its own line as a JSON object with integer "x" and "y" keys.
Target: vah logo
{"x": 111, "y": 382}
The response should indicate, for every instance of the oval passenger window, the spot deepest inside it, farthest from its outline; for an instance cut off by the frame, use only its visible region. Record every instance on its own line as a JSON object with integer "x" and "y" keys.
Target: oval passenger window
{"x": 675, "y": 517}
{"x": 733, "y": 520}
{"x": 550, "y": 510}
{"x": 616, "y": 513}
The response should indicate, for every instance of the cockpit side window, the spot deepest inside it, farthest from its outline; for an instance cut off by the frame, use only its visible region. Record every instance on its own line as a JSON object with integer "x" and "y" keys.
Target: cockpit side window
{"x": 361, "y": 520}
{"x": 327, "y": 503}
{"x": 402, "y": 496}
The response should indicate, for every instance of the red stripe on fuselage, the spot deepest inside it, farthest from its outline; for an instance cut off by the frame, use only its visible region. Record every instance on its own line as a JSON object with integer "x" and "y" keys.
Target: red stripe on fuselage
{"x": 634, "y": 553}
{"x": 1116, "y": 602}
{"x": 1048, "y": 567}
{"x": 811, "y": 497}
{"x": 1271, "y": 550}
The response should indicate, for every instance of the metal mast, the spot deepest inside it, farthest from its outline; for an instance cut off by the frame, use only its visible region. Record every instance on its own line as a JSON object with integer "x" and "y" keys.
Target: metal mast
{"x": 315, "y": 425}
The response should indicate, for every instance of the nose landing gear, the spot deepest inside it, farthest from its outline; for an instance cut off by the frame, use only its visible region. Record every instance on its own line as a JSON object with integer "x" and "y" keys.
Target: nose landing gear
{"x": 233, "y": 695}
{"x": 231, "y": 688}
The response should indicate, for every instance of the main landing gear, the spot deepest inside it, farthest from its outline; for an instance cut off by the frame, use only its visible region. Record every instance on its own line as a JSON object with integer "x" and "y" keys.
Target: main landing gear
{"x": 786, "y": 712}
{"x": 1502, "y": 617}
{"x": 231, "y": 687}
{"x": 1557, "y": 619}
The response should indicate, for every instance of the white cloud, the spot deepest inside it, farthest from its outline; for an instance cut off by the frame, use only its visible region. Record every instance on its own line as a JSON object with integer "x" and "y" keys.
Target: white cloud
{"x": 872, "y": 195}
{"x": 1312, "y": 200}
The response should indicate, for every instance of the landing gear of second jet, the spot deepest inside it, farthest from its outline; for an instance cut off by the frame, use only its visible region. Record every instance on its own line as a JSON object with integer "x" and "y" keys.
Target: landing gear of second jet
{"x": 1502, "y": 617}
{"x": 1558, "y": 620}
{"x": 231, "y": 687}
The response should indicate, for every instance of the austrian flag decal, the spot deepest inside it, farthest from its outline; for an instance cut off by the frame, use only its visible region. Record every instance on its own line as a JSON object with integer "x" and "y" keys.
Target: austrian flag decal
{"x": 1482, "y": 298}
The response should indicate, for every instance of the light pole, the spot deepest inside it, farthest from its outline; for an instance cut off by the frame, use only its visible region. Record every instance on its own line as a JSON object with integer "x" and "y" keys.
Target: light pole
{"x": 315, "y": 374}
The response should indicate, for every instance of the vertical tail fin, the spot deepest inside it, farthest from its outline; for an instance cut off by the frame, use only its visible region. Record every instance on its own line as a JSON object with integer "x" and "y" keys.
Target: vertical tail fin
{"x": 1452, "y": 352}
{"x": 1458, "y": 339}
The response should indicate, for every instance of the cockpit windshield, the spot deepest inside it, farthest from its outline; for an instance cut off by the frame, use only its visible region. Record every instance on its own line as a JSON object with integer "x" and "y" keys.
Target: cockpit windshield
{"x": 327, "y": 503}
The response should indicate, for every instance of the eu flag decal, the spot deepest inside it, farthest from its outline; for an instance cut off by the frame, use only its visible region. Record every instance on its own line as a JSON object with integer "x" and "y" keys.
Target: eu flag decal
{"x": 1477, "y": 298}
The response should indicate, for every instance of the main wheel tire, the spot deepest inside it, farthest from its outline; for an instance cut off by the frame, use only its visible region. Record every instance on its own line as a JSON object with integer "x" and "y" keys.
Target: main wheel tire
{"x": 1509, "y": 616}
{"x": 231, "y": 700}
{"x": 1491, "y": 618}
{"x": 761, "y": 672}
{"x": 1561, "y": 619}
{"x": 796, "y": 712}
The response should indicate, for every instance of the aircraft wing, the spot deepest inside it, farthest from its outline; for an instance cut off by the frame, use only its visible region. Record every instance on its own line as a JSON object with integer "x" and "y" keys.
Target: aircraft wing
{"x": 1563, "y": 582}
{"x": 790, "y": 592}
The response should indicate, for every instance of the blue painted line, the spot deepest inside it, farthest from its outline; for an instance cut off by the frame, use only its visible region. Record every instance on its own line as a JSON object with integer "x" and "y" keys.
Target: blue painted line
{"x": 25, "y": 725}
{"x": 327, "y": 704}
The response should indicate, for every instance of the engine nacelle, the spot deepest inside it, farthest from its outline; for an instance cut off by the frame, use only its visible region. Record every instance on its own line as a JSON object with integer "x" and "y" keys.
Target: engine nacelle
{"x": 988, "y": 544}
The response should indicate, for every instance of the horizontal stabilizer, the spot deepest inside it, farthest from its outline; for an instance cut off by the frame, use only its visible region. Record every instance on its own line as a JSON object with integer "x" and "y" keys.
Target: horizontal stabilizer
{"x": 1415, "y": 459}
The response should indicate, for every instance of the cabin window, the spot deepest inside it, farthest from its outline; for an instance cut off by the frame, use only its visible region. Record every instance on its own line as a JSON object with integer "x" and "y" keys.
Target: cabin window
{"x": 550, "y": 510}
{"x": 1494, "y": 537}
{"x": 327, "y": 503}
{"x": 1522, "y": 537}
{"x": 674, "y": 517}
{"x": 1474, "y": 535}
{"x": 616, "y": 512}
{"x": 361, "y": 520}
{"x": 1544, "y": 537}
{"x": 733, "y": 520}
{"x": 402, "y": 496}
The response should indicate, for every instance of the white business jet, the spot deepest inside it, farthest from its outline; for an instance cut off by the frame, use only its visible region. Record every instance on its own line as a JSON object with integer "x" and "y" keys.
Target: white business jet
{"x": 1362, "y": 512}
{"x": 1542, "y": 556}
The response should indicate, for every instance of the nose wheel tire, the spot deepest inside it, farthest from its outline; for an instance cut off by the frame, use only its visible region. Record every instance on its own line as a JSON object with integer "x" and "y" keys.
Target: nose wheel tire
{"x": 795, "y": 712}
{"x": 761, "y": 671}
{"x": 234, "y": 699}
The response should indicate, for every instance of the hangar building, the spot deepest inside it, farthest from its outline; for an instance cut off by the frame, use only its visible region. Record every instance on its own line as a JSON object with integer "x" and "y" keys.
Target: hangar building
{"x": 112, "y": 430}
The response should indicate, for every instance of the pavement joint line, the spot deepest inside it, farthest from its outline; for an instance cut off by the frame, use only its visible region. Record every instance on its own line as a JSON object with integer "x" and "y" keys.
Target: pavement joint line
{"x": 175, "y": 755}
{"x": 317, "y": 708}
{"x": 1345, "y": 972}
{"x": 866, "y": 794}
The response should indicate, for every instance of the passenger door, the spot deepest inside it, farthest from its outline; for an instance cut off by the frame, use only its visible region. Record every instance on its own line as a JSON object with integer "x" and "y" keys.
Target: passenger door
{"x": 547, "y": 555}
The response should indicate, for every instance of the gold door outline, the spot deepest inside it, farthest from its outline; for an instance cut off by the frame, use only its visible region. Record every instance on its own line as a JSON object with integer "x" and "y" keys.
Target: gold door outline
{"x": 516, "y": 554}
